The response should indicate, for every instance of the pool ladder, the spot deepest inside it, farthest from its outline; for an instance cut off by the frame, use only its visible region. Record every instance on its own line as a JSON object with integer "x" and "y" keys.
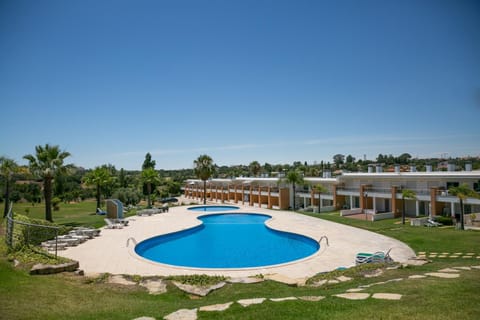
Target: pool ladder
{"x": 132, "y": 239}
{"x": 326, "y": 239}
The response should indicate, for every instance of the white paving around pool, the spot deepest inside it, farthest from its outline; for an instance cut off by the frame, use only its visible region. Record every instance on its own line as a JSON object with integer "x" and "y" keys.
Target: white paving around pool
{"x": 109, "y": 252}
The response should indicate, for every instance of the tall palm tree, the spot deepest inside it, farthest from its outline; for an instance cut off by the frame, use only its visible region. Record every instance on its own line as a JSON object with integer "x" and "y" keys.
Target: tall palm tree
{"x": 8, "y": 168}
{"x": 320, "y": 188}
{"x": 293, "y": 177}
{"x": 462, "y": 192}
{"x": 99, "y": 178}
{"x": 149, "y": 177}
{"x": 406, "y": 194}
{"x": 46, "y": 164}
{"x": 255, "y": 168}
{"x": 204, "y": 169}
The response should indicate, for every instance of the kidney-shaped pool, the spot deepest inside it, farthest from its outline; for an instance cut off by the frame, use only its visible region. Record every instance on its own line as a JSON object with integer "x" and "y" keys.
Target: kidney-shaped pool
{"x": 236, "y": 240}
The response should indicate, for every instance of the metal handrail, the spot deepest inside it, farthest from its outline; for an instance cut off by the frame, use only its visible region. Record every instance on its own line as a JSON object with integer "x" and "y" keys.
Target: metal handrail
{"x": 326, "y": 239}
{"x": 132, "y": 239}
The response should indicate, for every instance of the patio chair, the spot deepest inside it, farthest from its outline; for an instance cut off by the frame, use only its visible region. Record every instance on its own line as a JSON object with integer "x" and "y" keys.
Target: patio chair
{"x": 377, "y": 257}
{"x": 432, "y": 223}
{"x": 113, "y": 225}
{"x": 101, "y": 212}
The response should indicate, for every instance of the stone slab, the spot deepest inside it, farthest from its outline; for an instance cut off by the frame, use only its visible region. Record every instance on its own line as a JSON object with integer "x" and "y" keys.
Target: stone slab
{"x": 416, "y": 276}
{"x": 355, "y": 289}
{"x": 311, "y": 298}
{"x": 196, "y": 290}
{"x": 343, "y": 278}
{"x": 463, "y": 268}
{"x": 282, "y": 299}
{"x": 154, "y": 286}
{"x": 387, "y": 296}
{"x": 245, "y": 280}
{"x": 144, "y": 318}
{"x": 216, "y": 307}
{"x": 449, "y": 270}
{"x": 182, "y": 314}
{"x": 283, "y": 279}
{"x": 248, "y": 302}
{"x": 353, "y": 295}
{"x": 54, "y": 268}
{"x": 443, "y": 275}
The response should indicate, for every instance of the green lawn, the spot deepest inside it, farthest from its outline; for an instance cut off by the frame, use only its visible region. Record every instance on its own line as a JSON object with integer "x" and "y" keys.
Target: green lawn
{"x": 67, "y": 296}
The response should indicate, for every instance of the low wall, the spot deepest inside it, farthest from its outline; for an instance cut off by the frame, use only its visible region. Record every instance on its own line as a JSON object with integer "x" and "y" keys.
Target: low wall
{"x": 350, "y": 212}
{"x": 382, "y": 216}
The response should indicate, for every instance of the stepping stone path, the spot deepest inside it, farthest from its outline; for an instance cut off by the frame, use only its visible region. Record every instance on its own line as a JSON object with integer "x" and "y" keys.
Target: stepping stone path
{"x": 353, "y": 295}
{"x": 387, "y": 296}
{"x": 196, "y": 290}
{"x": 311, "y": 298}
{"x": 282, "y": 299}
{"x": 248, "y": 302}
{"x": 182, "y": 314}
{"x": 216, "y": 307}
{"x": 455, "y": 255}
{"x": 443, "y": 275}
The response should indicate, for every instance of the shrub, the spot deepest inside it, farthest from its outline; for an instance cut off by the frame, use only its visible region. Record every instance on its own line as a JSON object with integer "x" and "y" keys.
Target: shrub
{"x": 26, "y": 234}
{"x": 55, "y": 203}
{"x": 447, "y": 221}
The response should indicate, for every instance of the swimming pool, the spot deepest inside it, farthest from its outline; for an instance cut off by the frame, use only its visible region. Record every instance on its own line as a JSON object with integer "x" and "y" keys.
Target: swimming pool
{"x": 213, "y": 208}
{"x": 236, "y": 240}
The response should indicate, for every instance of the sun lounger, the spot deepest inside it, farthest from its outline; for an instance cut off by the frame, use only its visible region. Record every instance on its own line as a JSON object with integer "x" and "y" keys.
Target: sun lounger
{"x": 101, "y": 212}
{"x": 113, "y": 225}
{"x": 377, "y": 257}
{"x": 432, "y": 223}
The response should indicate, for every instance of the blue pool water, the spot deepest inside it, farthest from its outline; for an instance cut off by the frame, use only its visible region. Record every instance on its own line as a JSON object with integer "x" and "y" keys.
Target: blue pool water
{"x": 213, "y": 208}
{"x": 228, "y": 241}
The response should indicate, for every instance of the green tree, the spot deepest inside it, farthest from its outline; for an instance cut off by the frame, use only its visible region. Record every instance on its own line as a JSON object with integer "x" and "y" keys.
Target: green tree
{"x": 8, "y": 168}
{"x": 293, "y": 177}
{"x": 148, "y": 162}
{"x": 204, "y": 169}
{"x": 406, "y": 194}
{"x": 48, "y": 162}
{"x": 462, "y": 192}
{"x": 150, "y": 177}
{"x": 255, "y": 168}
{"x": 320, "y": 188}
{"x": 98, "y": 178}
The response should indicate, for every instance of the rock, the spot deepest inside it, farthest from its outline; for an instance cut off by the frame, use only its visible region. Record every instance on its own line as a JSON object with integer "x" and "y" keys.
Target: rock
{"x": 245, "y": 280}
{"x": 387, "y": 296}
{"x": 353, "y": 295}
{"x": 196, "y": 290}
{"x": 182, "y": 314}
{"x": 216, "y": 307}
{"x": 319, "y": 283}
{"x": 54, "y": 268}
{"x": 248, "y": 302}
{"x": 333, "y": 281}
{"x": 374, "y": 273}
{"x": 311, "y": 298}
{"x": 154, "y": 286}
{"x": 16, "y": 263}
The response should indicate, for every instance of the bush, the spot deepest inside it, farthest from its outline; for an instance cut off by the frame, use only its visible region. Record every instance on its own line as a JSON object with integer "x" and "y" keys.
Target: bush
{"x": 55, "y": 203}
{"x": 446, "y": 221}
{"x": 26, "y": 234}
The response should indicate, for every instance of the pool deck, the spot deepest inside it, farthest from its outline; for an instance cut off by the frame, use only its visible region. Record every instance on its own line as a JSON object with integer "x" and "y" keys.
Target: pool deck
{"x": 109, "y": 252}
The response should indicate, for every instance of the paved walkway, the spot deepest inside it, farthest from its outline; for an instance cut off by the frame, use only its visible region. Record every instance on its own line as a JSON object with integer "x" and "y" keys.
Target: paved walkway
{"x": 109, "y": 252}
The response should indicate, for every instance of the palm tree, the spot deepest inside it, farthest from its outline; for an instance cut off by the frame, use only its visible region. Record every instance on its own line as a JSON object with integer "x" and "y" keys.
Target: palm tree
{"x": 293, "y": 177}
{"x": 255, "y": 168}
{"x": 463, "y": 192}
{"x": 46, "y": 164}
{"x": 98, "y": 177}
{"x": 8, "y": 168}
{"x": 406, "y": 194}
{"x": 149, "y": 177}
{"x": 320, "y": 188}
{"x": 204, "y": 169}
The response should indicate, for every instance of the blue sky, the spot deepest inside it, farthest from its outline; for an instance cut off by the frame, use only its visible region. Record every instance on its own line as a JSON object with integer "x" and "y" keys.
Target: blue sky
{"x": 272, "y": 81}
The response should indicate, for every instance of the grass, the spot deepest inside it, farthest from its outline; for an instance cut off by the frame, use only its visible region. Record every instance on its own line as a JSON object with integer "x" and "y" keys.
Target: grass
{"x": 67, "y": 296}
